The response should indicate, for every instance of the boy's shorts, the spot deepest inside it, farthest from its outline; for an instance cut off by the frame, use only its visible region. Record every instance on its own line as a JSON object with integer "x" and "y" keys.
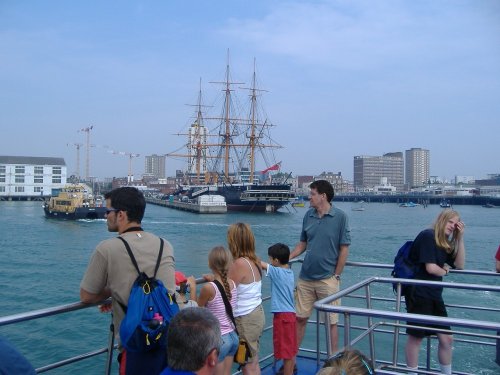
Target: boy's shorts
{"x": 308, "y": 292}
{"x": 284, "y": 335}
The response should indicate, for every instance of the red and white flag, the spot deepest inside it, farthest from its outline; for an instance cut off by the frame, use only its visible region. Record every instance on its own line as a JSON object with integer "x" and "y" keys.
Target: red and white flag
{"x": 275, "y": 167}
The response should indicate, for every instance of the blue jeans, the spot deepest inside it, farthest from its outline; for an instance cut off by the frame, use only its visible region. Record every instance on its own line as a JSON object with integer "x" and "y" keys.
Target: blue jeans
{"x": 229, "y": 345}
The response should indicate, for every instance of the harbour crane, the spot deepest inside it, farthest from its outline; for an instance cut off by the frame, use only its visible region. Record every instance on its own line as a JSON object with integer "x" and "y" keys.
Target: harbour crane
{"x": 87, "y": 161}
{"x": 77, "y": 145}
{"x": 130, "y": 155}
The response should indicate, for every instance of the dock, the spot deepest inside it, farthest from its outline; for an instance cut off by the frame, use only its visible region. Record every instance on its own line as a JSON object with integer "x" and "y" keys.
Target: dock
{"x": 206, "y": 204}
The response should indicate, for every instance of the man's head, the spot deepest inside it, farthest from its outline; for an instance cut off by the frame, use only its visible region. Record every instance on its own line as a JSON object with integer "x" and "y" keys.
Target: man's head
{"x": 279, "y": 251}
{"x": 323, "y": 187}
{"x": 125, "y": 205}
{"x": 194, "y": 341}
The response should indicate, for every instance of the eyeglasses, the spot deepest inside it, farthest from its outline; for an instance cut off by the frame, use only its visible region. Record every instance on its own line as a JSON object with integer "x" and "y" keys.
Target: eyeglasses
{"x": 329, "y": 363}
{"x": 109, "y": 210}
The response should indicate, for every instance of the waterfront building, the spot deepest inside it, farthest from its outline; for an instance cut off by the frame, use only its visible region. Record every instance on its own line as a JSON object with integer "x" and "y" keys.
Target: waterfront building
{"x": 336, "y": 179}
{"x": 417, "y": 167}
{"x": 28, "y": 177}
{"x": 464, "y": 180}
{"x": 368, "y": 170}
{"x": 155, "y": 166}
{"x": 384, "y": 187}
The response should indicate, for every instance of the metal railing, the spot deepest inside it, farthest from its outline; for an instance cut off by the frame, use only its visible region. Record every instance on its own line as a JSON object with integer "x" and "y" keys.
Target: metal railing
{"x": 485, "y": 332}
{"x": 391, "y": 319}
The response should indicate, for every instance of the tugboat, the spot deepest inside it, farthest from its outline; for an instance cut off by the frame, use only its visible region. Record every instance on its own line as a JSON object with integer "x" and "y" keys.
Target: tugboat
{"x": 75, "y": 202}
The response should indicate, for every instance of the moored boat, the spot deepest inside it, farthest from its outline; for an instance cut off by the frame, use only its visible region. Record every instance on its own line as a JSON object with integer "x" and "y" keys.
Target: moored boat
{"x": 408, "y": 204}
{"x": 228, "y": 165}
{"x": 75, "y": 202}
{"x": 299, "y": 203}
{"x": 445, "y": 203}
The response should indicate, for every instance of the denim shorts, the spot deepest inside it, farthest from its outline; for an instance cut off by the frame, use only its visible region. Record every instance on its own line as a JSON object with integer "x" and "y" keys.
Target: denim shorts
{"x": 229, "y": 345}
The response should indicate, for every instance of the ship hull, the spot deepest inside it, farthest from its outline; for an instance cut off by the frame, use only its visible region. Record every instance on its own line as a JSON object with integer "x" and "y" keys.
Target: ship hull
{"x": 80, "y": 213}
{"x": 249, "y": 197}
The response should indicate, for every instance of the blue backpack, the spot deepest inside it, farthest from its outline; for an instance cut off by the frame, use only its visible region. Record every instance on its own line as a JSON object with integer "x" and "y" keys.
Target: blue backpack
{"x": 404, "y": 267}
{"x": 148, "y": 312}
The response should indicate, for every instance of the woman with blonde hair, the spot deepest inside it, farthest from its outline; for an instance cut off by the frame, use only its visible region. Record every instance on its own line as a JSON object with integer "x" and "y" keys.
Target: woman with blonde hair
{"x": 246, "y": 273}
{"x": 435, "y": 250}
{"x": 219, "y": 261}
{"x": 348, "y": 362}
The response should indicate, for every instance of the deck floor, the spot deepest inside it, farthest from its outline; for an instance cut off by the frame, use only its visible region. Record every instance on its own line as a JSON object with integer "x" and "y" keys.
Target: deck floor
{"x": 305, "y": 366}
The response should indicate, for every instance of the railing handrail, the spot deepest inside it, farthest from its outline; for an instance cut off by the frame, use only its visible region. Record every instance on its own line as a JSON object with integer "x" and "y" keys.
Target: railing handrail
{"x": 324, "y": 304}
{"x": 320, "y": 305}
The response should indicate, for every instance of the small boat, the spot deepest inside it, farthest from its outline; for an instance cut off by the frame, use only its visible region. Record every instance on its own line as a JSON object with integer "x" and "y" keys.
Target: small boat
{"x": 299, "y": 203}
{"x": 74, "y": 202}
{"x": 445, "y": 203}
{"x": 409, "y": 204}
{"x": 489, "y": 205}
{"x": 359, "y": 206}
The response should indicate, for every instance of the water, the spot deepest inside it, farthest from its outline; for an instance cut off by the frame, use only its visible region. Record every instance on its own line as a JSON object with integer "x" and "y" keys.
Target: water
{"x": 43, "y": 261}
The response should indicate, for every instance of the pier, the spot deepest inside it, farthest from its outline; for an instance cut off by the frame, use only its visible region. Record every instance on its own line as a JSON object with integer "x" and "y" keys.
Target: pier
{"x": 424, "y": 199}
{"x": 204, "y": 206}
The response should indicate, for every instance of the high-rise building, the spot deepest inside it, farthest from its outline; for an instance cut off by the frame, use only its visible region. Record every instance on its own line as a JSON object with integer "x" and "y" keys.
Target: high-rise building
{"x": 368, "y": 170}
{"x": 417, "y": 162}
{"x": 155, "y": 166}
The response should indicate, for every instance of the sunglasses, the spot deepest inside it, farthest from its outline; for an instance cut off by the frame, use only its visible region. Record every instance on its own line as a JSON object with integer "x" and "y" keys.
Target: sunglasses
{"x": 109, "y": 210}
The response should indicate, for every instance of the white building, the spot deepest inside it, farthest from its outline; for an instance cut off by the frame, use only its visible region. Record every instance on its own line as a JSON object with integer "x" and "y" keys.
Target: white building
{"x": 417, "y": 165}
{"x": 30, "y": 177}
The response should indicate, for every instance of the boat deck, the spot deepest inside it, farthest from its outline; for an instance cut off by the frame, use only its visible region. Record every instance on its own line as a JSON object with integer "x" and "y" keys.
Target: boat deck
{"x": 370, "y": 321}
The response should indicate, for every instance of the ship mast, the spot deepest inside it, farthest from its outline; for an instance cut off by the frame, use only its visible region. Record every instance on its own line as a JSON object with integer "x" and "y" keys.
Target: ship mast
{"x": 227, "y": 137}
{"x": 253, "y": 108}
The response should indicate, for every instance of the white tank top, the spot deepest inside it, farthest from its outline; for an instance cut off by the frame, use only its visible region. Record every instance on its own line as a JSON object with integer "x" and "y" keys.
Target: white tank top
{"x": 249, "y": 295}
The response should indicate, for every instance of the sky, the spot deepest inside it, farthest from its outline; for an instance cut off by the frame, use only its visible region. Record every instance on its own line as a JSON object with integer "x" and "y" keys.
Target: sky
{"x": 342, "y": 77}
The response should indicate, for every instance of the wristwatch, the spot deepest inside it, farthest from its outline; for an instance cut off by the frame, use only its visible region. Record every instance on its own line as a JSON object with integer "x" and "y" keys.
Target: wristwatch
{"x": 337, "y": 277}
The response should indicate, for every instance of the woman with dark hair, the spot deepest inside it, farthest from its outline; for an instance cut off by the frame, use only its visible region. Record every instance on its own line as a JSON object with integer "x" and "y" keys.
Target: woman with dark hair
{"x": 247, "y": 275}
{"x": 435, "y": 250}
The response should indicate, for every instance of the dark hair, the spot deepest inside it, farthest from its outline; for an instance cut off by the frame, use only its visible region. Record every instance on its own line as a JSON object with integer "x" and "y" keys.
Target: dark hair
{"x": 279, "y": 251}
{"x": 192, "y": 334}
{"x": 323, "y": 187}
{"x": 130, "y": 200}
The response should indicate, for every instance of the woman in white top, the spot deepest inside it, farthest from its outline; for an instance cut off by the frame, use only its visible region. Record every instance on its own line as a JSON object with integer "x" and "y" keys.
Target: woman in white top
{"x": 246, "y": 273}
{"x": 219, "y": 260}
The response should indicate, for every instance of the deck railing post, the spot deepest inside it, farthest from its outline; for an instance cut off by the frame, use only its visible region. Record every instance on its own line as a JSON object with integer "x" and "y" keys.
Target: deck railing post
{"x": 428, "y": 354}
{"x": 396, "y": 328}
{"x": 318, "y": 322}
{"x": 111, "y": 345}
{"x": 498, "y": 348}
{"x": 370, "y": 322}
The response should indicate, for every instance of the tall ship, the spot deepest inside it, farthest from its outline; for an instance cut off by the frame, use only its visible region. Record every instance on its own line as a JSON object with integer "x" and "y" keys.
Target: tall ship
{"x": 235, "y": 158}
{"x": 75, "y": 202}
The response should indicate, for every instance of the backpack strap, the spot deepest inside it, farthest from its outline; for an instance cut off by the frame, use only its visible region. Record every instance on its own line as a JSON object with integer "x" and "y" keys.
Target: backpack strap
{"x": 229, "y": 308}
{"x": 134, "y": 262}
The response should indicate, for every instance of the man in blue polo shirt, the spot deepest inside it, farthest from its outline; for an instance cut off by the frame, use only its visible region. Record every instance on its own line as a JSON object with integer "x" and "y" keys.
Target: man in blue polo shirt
{"x": 325, "y": 238}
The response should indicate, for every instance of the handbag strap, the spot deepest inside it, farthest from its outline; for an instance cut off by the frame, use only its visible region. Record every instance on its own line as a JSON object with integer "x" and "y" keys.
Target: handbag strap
{"x": 229, "y": 308}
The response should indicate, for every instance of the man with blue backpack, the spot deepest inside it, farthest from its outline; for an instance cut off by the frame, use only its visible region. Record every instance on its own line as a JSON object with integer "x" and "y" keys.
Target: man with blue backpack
{"x": 136, "y": 269}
